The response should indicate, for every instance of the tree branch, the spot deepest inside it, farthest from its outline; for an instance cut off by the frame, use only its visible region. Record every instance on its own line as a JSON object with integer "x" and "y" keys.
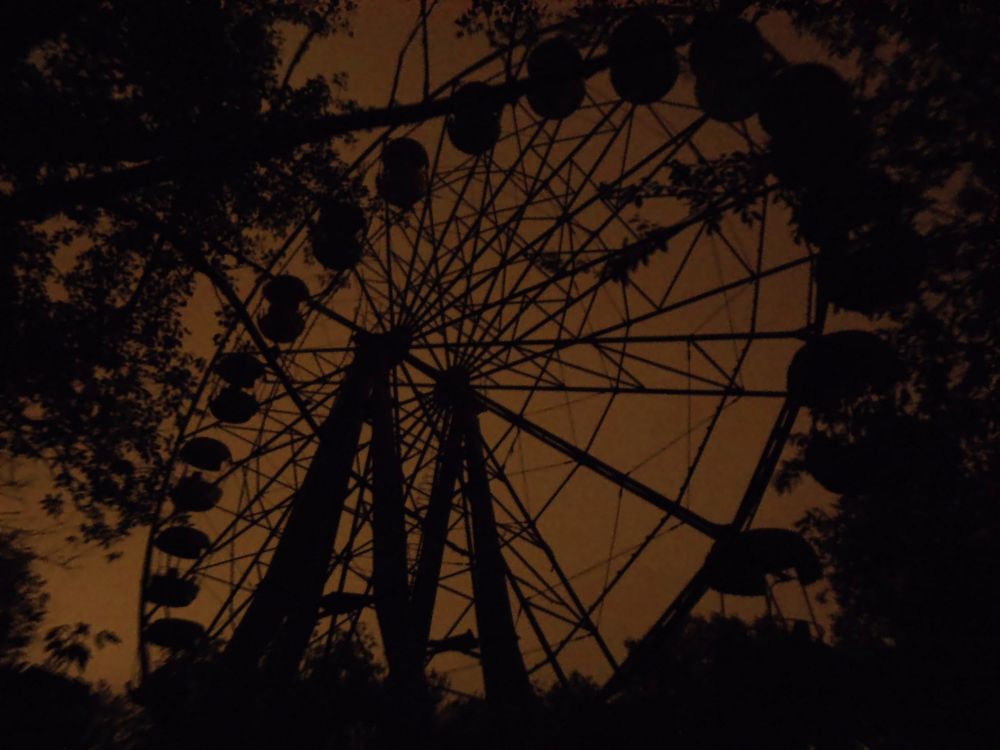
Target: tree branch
{"x": 272, "y": 140}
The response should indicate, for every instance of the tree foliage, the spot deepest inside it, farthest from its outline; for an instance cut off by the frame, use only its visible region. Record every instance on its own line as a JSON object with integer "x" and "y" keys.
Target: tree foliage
{"x": 338, "y": 700}
{"x": 72, "y": 646}
{"x": 910, "y": 561}
{"x": 95, "y": 369}
{"x": 22, "y": 599}
{"x": 923, "y": 77}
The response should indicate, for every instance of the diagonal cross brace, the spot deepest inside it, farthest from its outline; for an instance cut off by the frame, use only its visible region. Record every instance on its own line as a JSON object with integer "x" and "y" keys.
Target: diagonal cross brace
{"x": 584, "y": 458}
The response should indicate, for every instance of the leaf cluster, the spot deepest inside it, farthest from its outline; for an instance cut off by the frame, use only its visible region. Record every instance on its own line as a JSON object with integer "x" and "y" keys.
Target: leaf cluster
{"x": 94, "y": 294}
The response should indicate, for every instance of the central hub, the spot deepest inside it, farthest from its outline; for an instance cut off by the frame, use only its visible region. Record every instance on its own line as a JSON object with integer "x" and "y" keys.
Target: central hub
{"x": 393, "y": 345}
{"x": 453, "y": 387}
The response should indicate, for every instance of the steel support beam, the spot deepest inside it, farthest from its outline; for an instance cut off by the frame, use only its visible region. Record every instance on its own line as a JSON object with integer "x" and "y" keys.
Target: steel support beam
{"x": 504, "y": 675}
{"x": 390, "y": 581}
{"x": 435, "y": 533}
{"x": 282, "y": 614}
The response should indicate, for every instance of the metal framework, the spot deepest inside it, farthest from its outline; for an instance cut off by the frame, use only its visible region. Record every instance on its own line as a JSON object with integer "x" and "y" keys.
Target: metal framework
{"x": 482, "y": 430}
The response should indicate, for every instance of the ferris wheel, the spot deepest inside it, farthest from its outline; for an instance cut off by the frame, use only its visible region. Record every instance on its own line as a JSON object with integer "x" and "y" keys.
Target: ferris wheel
{"x": 512, "y": 382}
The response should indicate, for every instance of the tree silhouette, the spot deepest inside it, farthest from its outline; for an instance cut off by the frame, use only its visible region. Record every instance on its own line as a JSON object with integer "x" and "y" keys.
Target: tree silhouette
{"x": 22, "y": 599}
{"x": 41, "y": 706}
{"x": 726, "y": 683}
{"x": 94, "y": 369}
{"x": 66, "y": 646}
{"x": 339, "y": 699}
{"x": 912, "y": 554}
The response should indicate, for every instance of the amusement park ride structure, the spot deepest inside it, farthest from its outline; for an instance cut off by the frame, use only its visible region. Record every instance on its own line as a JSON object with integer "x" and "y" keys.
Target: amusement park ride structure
{"x": 524, "y": 294}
